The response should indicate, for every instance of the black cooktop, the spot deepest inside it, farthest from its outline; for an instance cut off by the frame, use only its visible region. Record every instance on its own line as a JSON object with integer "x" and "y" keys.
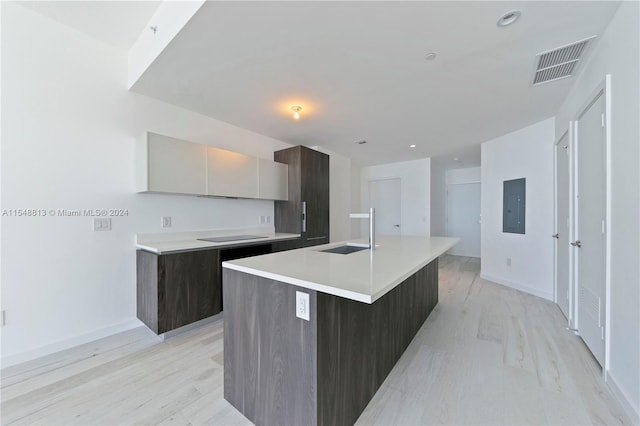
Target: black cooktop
{"x": 231, "y": 238}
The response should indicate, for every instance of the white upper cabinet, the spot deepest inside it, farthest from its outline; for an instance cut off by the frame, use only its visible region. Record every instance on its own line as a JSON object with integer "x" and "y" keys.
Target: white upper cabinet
{"x": 166, "y": 164}
{"x": 272, "y": 180}
{"x": 170, "y": 165}
{"x": 231, "y": 174}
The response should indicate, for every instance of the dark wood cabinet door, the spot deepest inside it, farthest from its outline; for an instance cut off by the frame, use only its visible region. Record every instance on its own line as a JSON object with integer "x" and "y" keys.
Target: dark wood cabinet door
{"x": 278, "y": 246}
{"x": 288, "y": 214}
{"x": 308, "y": 191}
{"x": 189, "y": 288}
{"x": 315, "y": 193}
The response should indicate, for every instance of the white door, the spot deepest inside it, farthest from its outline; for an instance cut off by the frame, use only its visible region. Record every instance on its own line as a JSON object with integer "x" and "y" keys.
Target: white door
{"x": 385, "y": 197}
{"x": 590, "y": 245}
{"x": 463, "y": 218}
{"x": 562, "y": 247}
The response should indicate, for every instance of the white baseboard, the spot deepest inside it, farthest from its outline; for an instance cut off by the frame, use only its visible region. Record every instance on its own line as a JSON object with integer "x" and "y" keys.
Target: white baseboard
{"x": 534, "y": 291}
{"x": 18, "y": 358}
{"x": 627, "y": 404}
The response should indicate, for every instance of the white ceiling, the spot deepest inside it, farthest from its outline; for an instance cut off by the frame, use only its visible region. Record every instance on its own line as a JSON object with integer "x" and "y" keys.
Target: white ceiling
{"x": 118, "y": 23}
{"x": 357, "y": 68}
{"x": 460, "y": 158}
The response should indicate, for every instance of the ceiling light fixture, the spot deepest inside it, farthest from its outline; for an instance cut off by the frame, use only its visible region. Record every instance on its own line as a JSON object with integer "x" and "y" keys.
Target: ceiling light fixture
{"x": 412, "y": 146}
{"x": 361, "y": 142}
{"x": 296, "y": 111}
{"x": 430, "y": 56}
{"x": 508, "y": 18}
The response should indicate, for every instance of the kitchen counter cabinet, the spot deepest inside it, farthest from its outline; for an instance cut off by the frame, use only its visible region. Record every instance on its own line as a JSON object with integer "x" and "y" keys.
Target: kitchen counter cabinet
{"x": 177, "y": 289}
{"x": 307, "y": 210}
{"x": 364, "y": 309}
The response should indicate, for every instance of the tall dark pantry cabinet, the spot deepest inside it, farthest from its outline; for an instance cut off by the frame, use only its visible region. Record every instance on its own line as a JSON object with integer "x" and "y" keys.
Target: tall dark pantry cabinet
{"x": 307, "y": 210}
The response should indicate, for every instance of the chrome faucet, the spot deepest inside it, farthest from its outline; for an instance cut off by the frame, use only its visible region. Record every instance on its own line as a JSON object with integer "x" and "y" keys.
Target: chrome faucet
{"x": 372, "y": 225}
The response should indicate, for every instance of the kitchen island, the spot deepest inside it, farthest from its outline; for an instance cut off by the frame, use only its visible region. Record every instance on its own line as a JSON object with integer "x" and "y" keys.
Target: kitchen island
{"x": 310, "y": 336}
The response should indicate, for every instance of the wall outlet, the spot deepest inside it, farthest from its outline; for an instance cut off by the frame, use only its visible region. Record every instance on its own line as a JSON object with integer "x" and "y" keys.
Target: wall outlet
{"x": 508, "y": 261}
{"x": 263, "y": 220}
{"x": 302, "y": 305}
{"x": 101, "y": 224}
{"x": 165, "y": 221}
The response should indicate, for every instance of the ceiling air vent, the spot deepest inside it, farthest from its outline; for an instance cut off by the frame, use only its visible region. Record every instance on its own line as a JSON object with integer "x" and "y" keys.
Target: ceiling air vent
{"x": 559, "y": 63}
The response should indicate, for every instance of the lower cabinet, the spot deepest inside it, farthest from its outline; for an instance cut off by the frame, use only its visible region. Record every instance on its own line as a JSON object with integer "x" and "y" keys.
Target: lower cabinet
{"x": 177, "y": 289}
{"x": 277, "y": 246}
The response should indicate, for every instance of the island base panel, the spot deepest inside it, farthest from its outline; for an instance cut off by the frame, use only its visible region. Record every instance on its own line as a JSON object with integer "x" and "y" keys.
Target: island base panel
{"x": 269, "y": 353}
{"x": 280, "y": 369}
{"x": 360, "y": 343}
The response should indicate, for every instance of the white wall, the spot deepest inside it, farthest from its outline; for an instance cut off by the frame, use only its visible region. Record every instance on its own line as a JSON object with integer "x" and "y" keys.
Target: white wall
{"x": 524, "y": 153}
{"x": 617, "y": 53}
{"x": 339, "y": 195}
{"x": 69, "y": 126}
{"x": 416, "y": 192}
{"x": 460, "y": 176}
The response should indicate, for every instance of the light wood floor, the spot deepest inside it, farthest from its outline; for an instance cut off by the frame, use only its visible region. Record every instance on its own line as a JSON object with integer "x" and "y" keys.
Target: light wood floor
{"x": 486, "y": 355}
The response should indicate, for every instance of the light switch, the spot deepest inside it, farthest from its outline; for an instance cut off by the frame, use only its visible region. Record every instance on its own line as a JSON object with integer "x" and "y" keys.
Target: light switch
{"x": 165, "y": 221}
{"x": 101, "y": 224}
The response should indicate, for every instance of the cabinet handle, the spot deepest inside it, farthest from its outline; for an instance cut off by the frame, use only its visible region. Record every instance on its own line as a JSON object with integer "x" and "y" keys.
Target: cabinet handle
{"x": 576, "y": 243}
{"x": 556, "y": 236}
{"x": 316, "y": 238}
{"x": 304, "y": 216}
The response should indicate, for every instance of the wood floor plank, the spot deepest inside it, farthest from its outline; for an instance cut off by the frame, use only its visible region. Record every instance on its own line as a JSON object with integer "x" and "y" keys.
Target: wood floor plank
{"x": 487, "y": 354}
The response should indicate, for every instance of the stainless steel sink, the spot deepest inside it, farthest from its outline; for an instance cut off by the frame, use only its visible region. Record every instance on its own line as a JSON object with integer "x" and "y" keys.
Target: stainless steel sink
{"x": 347, "y": 249}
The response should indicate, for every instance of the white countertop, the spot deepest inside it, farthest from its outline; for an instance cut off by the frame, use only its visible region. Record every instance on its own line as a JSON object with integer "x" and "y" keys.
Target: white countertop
{"x": 172, "y": 242}
{"x": 364, "y": 276}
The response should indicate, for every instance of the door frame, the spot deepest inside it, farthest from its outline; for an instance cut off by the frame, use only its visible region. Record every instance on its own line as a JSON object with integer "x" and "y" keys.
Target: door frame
{"x": 366, "y": 208}
{"x": 603, "y": 89}
{"x": 569, "y": 133}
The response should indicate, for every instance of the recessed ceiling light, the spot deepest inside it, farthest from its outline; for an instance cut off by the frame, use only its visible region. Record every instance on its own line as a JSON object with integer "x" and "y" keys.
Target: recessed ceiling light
{"x": 508, "y": 18}
{"x": 430, "y": 56}
{"x": 412, "y": 146}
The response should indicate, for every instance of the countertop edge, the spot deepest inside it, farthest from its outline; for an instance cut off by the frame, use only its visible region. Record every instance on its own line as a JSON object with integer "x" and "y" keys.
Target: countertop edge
{"x": 204, "y": 245}
{"x": 300, "y": 283}
{"x": 341, "y": 292}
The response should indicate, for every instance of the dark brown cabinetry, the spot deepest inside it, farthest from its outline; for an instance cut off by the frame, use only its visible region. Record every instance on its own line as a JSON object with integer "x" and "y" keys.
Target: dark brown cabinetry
{"x": 177, "y": 289}
{"x": 323, "y": 371}
{"x": 278, "y": 246}
{"x": 307, "y": 210}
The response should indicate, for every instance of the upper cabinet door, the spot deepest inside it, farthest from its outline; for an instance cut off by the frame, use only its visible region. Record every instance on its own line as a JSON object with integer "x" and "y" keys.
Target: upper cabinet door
{"x": 231, "y": 174}
{"x": 272, "y": 180}
{"x": 171, "y": 165}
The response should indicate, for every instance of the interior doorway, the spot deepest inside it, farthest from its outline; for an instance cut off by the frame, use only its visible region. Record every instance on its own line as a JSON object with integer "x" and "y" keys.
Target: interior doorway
{"x": 385, "y": 195}
{"x": 463, "y": 218}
